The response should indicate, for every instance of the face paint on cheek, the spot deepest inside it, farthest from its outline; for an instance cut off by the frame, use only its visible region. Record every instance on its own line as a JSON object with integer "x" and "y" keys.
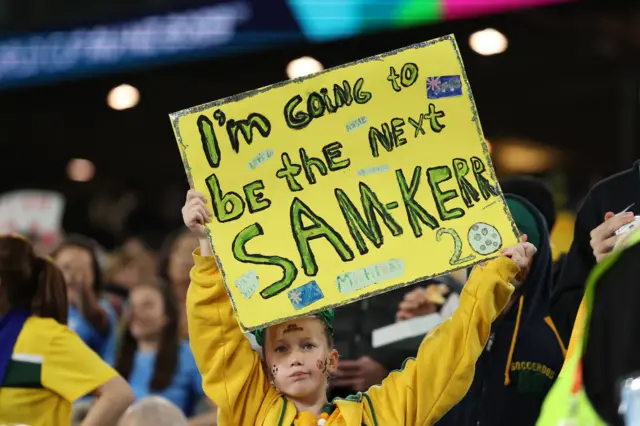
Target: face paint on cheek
{"x": 274, "y": 371}
{"x": 323, "y": 365}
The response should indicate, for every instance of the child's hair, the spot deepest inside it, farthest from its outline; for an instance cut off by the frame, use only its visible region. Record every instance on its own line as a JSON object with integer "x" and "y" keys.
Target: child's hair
{"x": 328, "y": 334}
{"x": 91, "y": 247}
{"x": 31, "y": 282}
{"x": 167, "y": 356}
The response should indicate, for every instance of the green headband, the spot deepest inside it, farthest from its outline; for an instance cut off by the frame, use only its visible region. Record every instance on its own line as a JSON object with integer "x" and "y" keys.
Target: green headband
{"x": 325, "y": 316}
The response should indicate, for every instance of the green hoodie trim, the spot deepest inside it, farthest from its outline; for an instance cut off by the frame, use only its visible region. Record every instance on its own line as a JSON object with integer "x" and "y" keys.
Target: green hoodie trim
{"x": 284, "y": 409}
{"x": 373, "y": 412}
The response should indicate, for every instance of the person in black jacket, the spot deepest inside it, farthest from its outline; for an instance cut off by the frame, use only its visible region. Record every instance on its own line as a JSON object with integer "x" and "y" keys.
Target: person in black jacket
{"x": 596, "y": 223}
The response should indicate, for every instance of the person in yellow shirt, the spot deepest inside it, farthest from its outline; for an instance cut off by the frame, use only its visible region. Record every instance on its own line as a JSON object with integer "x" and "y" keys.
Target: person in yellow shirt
{"x": 289, "y": 387}
{"x": 44, "y": 366}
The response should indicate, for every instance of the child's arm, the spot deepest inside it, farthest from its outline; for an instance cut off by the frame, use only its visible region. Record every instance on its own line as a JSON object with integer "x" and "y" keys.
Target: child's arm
{"x": 441, "y": 375}
{"x": 232, "y": 375}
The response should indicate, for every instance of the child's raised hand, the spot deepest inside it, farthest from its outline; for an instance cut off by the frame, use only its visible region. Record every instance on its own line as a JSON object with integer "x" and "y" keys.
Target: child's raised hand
{"x": 522, "y": 255}
{"x": 195, "y": 213}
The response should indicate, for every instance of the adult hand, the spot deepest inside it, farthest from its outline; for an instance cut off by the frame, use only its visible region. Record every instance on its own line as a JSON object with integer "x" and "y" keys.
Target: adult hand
{"x": 603, "y": 238}
{"x": 415, "y": 304}
{"x": 359, "y": 374}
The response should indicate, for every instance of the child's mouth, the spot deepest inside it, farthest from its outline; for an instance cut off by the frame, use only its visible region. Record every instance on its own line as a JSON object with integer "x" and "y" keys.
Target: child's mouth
{"x": 298, "y": 375}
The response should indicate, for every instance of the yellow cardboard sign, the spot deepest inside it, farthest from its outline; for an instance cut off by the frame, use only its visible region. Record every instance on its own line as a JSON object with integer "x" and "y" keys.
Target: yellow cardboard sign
{"x": 345, "y": 184}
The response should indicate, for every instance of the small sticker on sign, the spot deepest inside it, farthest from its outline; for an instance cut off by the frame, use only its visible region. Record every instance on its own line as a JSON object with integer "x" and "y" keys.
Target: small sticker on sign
{"x": 374, "y": 274}
{"x": 445, "y": 86}
{"x": 354, "y": 124}
{"x": 305, "y": 295}
{"x": 260, "y": 158}
{"x": 373, "y": 170}
{"x": 248, "y": 284}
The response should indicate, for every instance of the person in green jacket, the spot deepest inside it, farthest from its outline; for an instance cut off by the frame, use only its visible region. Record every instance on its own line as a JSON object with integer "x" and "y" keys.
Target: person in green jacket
{"x": 587, "y": 392}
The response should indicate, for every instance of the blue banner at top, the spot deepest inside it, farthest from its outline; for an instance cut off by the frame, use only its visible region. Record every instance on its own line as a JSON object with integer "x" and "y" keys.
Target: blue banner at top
{"x": 221, "y": 28}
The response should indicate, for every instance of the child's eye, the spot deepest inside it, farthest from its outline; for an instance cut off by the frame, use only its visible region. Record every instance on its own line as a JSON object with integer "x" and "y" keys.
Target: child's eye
{"x": 308, "y": 346}
{"x": 280, "y": 349}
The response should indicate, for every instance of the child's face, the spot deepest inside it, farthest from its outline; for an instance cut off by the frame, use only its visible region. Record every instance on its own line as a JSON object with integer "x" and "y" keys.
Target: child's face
{"x": 298, "y": 357}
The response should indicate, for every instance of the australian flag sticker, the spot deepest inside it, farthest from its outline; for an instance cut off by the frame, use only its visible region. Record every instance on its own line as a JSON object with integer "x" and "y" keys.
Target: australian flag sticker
{"x": 445, "y": 86}
{"x": 305, "y": 295}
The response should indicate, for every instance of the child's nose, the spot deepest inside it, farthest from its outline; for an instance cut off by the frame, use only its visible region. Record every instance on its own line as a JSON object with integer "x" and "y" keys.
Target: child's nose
{"x": 295, "y": 358}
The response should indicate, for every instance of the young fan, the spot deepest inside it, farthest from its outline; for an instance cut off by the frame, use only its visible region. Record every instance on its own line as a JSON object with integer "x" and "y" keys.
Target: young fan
{"x": 290, "y": 387}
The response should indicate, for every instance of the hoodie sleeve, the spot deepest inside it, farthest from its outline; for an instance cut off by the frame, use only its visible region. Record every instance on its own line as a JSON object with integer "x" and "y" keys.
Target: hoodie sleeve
{"x": 430, "y": 385}
{"x": 232, "y": 374}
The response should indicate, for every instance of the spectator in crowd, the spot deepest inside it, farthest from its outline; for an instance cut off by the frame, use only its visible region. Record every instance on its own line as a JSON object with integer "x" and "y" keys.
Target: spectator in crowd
{"x": 524, "y": 354}
{"x": 44, "y": 366}
{"x": 90, "y": 316}
{"x": 154, "y": 359}
{"x": 175, "y": 264}
{"x": 594, "y": 237}
{"x": 153, "y": 411}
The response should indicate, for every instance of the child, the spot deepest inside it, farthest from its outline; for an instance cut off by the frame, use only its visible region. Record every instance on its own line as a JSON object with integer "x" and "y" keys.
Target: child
{"x": 290, "y": 387}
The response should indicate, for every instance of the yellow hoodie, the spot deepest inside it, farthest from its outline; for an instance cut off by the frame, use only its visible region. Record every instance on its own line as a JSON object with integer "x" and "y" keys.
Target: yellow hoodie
{"x": 420, "y": 394}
